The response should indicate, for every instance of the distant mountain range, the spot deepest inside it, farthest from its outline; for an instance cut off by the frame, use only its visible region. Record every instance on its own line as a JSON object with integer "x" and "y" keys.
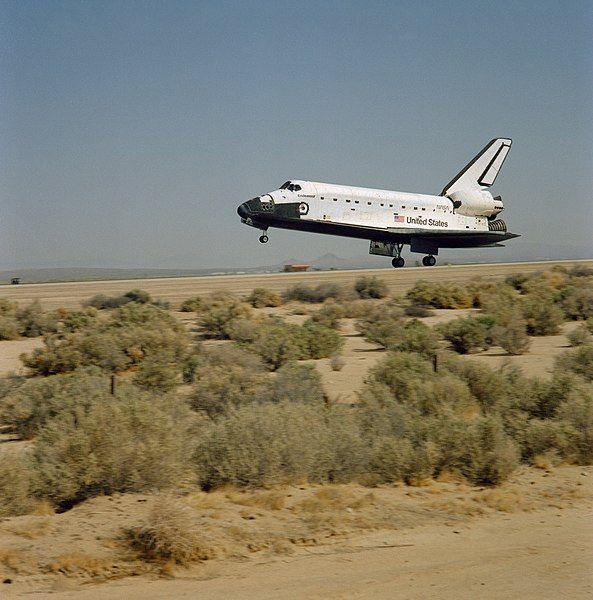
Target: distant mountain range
{"x": 327, "y": 262}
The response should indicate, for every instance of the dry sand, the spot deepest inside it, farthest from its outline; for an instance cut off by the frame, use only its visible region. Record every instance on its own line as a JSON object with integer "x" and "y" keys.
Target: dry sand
{"x": 530, "y": 538}
{"x": 175, "y": 290}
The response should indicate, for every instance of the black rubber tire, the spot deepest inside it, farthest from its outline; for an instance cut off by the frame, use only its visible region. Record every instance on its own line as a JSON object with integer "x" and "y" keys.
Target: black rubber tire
{"x": 398, "y": 262}
{"x": 263, "y": 239}
{"x": 425, "y": 261}
{"x": 431, "y": 260}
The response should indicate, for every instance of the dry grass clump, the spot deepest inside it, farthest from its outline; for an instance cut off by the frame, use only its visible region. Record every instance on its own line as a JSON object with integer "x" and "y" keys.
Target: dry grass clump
{"x": 337, "y": 362}
{"x": 17, "y": 561}
{"x": 170, "y": 534}
{"x": 31, "y": 529}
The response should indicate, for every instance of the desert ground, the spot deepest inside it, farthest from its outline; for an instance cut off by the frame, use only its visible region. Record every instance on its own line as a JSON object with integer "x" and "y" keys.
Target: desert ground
{"x": 532, "y": 537}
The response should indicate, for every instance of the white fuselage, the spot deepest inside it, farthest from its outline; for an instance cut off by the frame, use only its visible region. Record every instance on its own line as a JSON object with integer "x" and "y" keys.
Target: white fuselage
{"x": 379, "y": 209}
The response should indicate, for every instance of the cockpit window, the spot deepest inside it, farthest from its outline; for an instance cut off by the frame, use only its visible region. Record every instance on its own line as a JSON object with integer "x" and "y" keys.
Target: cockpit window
{"x": 291, "y": 187}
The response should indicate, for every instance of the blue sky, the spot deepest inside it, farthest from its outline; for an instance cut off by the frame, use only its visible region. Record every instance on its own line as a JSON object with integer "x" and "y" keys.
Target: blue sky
{"x": 131, "y": 130}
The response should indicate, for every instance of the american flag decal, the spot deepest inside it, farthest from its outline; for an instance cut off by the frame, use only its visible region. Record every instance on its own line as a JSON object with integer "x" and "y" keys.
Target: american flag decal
{"x": 399, "y": 219}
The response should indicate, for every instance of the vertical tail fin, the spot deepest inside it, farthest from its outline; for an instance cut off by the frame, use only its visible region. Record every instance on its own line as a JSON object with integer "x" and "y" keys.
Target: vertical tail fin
{"x": 481, "y": 172}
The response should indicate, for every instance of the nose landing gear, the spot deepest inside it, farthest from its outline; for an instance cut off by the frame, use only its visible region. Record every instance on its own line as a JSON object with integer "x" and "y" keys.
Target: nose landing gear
{"x": 429, "y": 261}
{"x": 263, "y": 238}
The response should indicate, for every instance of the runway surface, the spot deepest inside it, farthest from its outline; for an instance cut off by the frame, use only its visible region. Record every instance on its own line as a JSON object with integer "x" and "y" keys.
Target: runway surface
{"x": 177, "y": 289}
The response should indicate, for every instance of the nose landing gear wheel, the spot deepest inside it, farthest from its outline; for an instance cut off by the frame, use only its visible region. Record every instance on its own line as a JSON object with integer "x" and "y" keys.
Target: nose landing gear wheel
{"x": 429, "y": 261}
{"x": 263, "y": 239}
{"x": 398, "y": 262}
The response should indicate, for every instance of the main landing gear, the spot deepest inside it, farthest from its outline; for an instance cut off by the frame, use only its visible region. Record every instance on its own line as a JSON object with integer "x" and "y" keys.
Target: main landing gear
{"x": 398, "y": 262}
{"x": 429, "y": 261}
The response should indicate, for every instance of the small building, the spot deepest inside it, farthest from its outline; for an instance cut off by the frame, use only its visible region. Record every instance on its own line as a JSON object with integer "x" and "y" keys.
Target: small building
{"x": 15, "y": 280}
{"x": 296, "y": 268}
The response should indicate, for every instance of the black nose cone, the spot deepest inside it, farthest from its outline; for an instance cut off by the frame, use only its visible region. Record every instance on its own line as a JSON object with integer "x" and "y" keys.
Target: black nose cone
{"x": 243, "y": 210}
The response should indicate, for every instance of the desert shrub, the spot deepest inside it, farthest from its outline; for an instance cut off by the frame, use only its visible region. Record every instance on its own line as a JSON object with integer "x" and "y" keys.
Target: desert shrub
{"x": 390, "y": 458}
{"x": 79, "y": 319}
{"x": 388, "y": 333}
{"x": 544, "y": 435}
{"x": 337, "y": 362}
{"x": 580, "y": 271}
{"x": 264, "y": 444}
{"x": 517, "y": 280}
{"x": 279, "y": 343}
{"x": 157, "y": 375}
{"x": 440, "y": 295}
{"x": 419, "y": 338}
{"x": 261, "y": 297}
{"x": 8, "y": 308}
{"x": 579, "y": 336}
{"x": 578, "y": 360}
{"x": 169, "y": 534}
{"x": 577, "y": 414}
{"x": 356, "y": 309}
{"x": 315, "y": 295}
{"x": 102, "y": 302}
{"x": 496, "y": 455}
{"x": 328, "y": 315}
{"x": 385, "y": 312}
{"x": 510, "y": 333}
{"x": 133, "y": 333}
{"x": 17, "y": 483}
{"x": 220, "y": 388}
{"x": 466, "y": 334}
{"x": 371, "y": 287}
{"x": 9, "y": 328}
{"x": 577, "y": 300}
{"x": 296, "y": 382}
{"x": 319, "y": 341}
{"x": 128, "y": 443}
{"x": 139, "y": 296}
{"x": 542, "y": 316}
{"x": 31, "y": 405}
{"x": 33, "y": 321}
{"x": 216, "y": 320}
{"x": 194, "y": 304}
{"x": 417, "y": 311}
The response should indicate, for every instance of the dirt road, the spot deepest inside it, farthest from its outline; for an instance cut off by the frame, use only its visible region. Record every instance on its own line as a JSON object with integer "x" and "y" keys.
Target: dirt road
{"x": 54, "y": 295}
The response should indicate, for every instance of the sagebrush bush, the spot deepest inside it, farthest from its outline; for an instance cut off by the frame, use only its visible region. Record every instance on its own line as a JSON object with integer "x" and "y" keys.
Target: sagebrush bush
{"x": 319, "y": 341}
{"x": 262, "y": 297}
{"x": 296, "y": 382}
{"x": 220, "y": 388}
{"x": 440, "y": 295}
{"x": 101, "y": 301}
{"x": 577, "y": 414}
{"x": 579, "y": 361}
{"x": 33, "y": 321}
{"x": 157, "y": 375}
{"x": 579, "y": 336}
{"x": 315, "y": 295}
{"x": 131, "y": 334}
{"x": 542, "y": 316}
{"x": 194, "y": 304}
{"x": 417, "y": 311}
{"x": 131, "y": 442}
{"x": 264, "y": 444}
{"x": 17, "y": 484}
{"x": 374, "y": 314}
{"x": 8, "y": 308}
{"x": 371, "y": 287}
{"x": 217, "y": 318}
{"x": 510, "y": 333}
{"x": 278, "y": 343}
{"x": 9, "y": 328}
{"x": 467, "y": 334}
{"x": 577, "y": 300}
{"x": 329, "y": 315}
{"x": 28, "y": 407}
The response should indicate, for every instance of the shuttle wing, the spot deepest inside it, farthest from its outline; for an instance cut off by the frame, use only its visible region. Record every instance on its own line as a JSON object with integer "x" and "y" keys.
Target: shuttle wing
{"x": 482, "y": 171}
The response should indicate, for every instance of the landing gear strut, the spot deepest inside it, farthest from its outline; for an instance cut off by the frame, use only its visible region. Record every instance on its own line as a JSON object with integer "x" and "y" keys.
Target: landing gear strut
{"x": 398, "y": 262}
{"x": 429, "y": 261}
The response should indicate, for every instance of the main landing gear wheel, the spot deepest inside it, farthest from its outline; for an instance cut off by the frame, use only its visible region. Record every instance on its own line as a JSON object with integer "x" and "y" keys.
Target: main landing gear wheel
{"x": 398, "y": 262}
{"x": 263, "y": 239}
{"x": 429, "y": 261}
